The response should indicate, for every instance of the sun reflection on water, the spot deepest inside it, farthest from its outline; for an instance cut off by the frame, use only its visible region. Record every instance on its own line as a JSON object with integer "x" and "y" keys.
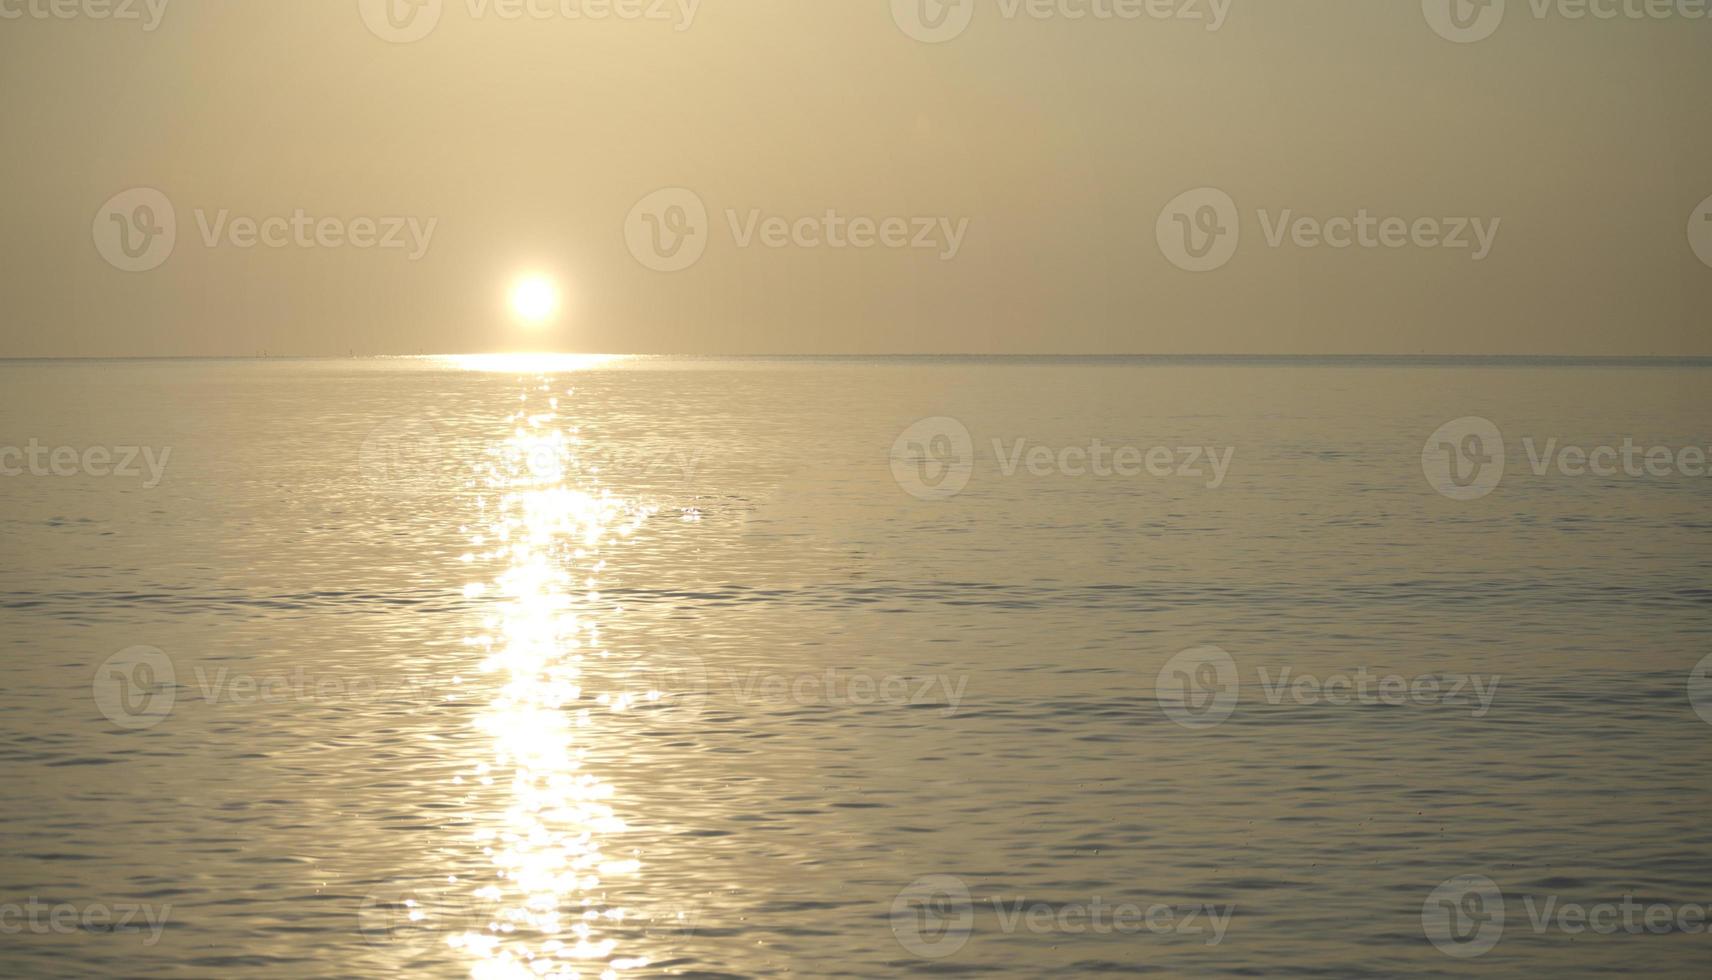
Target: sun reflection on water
{"x": 530, "y": 363}
{"x": 545, "y": 525}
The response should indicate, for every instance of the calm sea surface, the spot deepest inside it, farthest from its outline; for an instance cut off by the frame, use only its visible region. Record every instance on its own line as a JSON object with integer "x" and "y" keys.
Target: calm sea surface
{"x": 436, "y": 667}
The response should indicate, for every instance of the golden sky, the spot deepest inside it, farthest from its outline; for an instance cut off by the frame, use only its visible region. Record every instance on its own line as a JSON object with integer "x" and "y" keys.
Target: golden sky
{"x": 856, "y": 176}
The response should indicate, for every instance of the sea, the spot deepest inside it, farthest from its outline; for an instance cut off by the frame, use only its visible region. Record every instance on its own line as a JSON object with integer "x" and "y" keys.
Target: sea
{"x": 606, "y": 666}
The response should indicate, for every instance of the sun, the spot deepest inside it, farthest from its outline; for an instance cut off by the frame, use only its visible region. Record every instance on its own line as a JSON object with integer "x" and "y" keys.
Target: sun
{"x": 534, "y": 299}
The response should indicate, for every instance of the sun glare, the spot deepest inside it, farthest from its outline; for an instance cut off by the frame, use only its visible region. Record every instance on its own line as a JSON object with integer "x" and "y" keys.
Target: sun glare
{"x": 534, "y": 299}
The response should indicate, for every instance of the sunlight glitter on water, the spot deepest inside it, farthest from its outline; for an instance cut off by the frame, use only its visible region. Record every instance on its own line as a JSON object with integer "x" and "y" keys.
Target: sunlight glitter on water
{"x": 547, "y": 526}
{"x": 545, "y": 363}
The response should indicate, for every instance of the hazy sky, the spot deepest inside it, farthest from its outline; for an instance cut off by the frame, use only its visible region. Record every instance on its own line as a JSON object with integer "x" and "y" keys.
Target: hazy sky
{"x": 1034, "y": 156}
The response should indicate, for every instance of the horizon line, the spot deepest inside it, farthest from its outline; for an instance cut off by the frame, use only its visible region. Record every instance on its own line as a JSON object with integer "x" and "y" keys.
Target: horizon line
{"x": 1694, "y": 360}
